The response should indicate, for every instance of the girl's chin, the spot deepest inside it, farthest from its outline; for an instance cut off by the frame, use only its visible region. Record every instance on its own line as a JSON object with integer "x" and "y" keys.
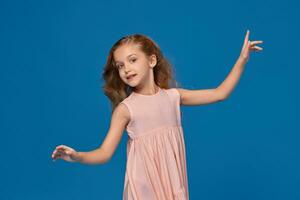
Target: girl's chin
{"x": 132, "y": 85}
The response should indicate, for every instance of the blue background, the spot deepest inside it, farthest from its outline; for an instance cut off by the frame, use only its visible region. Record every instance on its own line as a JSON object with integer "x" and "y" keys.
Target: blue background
{"x": 52, "y": 56}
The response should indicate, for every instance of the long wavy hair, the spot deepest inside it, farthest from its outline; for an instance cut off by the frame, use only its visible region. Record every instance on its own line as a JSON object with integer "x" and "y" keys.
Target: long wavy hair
{"x": 115, "y": 89}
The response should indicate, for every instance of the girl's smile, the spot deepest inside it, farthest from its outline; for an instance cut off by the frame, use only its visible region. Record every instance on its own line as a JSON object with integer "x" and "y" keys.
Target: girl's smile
{"x": 130, "y": 77}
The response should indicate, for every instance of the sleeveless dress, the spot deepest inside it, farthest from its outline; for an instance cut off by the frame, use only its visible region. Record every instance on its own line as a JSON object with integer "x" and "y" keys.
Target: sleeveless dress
{"x": 156, "y": 161}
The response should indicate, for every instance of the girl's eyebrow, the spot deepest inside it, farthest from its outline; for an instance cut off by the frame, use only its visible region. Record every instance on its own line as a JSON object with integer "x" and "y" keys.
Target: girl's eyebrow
{"x": 127, "y": 56}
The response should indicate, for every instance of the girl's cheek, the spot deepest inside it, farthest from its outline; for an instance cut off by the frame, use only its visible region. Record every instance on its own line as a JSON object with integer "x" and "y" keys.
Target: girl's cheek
{"x": 123, "y": 75}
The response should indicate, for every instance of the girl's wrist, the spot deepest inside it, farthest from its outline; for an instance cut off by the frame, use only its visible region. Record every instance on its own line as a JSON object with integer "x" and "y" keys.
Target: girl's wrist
{"x": 78, "y": 156}
{"x": 242, "y": 59}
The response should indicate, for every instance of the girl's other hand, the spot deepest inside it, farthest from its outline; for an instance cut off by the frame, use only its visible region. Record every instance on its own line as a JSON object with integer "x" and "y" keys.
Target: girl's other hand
{"x": 66, "y": 153}
{"x": 249, "y": 46}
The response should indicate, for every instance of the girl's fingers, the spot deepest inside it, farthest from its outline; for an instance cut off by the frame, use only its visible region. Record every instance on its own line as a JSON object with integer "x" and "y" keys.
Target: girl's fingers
{"x": 58, "y": 152}
{"x": 58, "y": 155}
{"x": 247, "y": 35}
{"x": 60, "y": 146}
{"x": 257, "y": 48}
{"x": 55, "y": 156}
{"x": 64, "y": 147}
{"x": 246, "y": 39}
{"x": 61, "y": 151}
{"x": 256, "y": 42}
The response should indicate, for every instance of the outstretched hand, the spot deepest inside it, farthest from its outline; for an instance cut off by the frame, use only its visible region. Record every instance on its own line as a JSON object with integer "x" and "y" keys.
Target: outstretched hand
{"x": 66, "y": 153}
{"x": 249, "y": 46}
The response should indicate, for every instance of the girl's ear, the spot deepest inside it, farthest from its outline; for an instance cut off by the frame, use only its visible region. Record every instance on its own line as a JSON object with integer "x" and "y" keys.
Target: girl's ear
{"x": 153, "y": 60}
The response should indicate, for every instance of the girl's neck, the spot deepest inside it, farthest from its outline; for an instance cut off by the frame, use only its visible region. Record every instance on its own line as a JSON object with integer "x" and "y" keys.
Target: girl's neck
{"x": 147, "y": 91}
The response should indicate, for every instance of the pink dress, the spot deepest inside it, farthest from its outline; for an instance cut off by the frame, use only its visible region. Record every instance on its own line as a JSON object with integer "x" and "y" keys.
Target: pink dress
{"x": 156, "y": 161}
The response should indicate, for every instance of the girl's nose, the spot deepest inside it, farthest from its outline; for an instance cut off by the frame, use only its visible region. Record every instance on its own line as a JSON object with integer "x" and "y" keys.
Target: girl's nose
{"x": 126, "y": 68}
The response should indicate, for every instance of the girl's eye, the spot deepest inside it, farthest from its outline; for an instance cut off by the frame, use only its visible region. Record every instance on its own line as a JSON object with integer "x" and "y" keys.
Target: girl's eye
{"x": 119, "y": 66}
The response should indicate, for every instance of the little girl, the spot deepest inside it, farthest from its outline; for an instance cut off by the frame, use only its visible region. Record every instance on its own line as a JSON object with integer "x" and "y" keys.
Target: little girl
{"x": 137, "y": 81}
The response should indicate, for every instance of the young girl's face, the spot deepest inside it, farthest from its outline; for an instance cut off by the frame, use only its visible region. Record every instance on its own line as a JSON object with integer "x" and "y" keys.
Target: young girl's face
{"x": 134, "y": 66}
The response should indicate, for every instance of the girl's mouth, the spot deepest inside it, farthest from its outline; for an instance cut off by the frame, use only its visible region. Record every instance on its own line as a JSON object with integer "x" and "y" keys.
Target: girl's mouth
{"x": 131, "y": 76}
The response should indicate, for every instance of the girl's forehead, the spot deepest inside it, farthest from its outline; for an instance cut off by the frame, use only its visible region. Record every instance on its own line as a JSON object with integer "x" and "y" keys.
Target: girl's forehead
{"x": 125, "y": 51}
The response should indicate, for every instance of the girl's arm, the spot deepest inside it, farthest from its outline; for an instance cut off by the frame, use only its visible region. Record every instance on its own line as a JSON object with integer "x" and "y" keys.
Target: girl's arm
{"x": 120, "y": 118}
{"x": 101, "y": 155}
{"x": 198, "y": 97}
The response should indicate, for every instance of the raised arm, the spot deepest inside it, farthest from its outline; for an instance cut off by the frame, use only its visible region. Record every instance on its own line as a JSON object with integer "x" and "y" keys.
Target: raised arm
{"x": 120, "y": 118}
{"x": 198, "y": 97}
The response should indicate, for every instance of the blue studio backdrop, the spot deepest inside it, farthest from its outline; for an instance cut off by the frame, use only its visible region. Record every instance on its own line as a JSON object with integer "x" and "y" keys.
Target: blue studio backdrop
{"x": 52, "y": 55}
